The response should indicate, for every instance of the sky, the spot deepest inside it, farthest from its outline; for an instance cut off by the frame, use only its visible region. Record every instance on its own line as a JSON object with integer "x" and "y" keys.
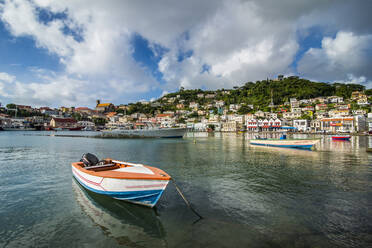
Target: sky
{"x": 73, "y": 52}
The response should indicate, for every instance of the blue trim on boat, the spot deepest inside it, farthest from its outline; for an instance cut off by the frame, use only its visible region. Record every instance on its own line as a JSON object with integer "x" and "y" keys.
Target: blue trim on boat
{"x": 145, "y": 197}
{"x": 285, "y": 146}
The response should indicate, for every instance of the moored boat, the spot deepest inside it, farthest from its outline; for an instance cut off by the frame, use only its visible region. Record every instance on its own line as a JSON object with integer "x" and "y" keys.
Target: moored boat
{"x": 135, "y": 183}
{"x": 75, "y": 128}
{"x": 146, "y": 132}
{"x": 286, "y": 143}
{"x": 344, "y": 138}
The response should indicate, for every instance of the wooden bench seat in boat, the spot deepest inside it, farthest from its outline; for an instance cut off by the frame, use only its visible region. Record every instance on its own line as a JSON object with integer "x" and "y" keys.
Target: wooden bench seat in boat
{"x": 102, "y": 167}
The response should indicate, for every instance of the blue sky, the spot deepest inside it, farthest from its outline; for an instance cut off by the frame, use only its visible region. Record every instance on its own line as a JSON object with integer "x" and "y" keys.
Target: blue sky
{"x": 55, "y": 53}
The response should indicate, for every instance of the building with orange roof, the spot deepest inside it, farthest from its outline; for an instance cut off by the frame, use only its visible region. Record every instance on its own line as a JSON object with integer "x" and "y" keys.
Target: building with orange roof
{"x": 104, "y": 107}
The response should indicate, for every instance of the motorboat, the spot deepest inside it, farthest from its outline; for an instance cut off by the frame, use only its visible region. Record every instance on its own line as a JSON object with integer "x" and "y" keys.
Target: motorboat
{"x": 341, "y": 137}
{"x": 135, "y": 183}
{"x": 146, "y": 132}
{"x": 284, "y": 142}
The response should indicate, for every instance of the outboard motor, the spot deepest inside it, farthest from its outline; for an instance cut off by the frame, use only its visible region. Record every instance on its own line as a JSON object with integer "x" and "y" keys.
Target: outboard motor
{"x": 89, "y": 159}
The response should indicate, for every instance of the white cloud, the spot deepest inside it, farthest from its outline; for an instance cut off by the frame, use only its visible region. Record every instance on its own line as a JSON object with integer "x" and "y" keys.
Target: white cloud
{"x": 5, "y": 77}
{"x": 351, "y": 79}
{"x": 237, "y": 41}
{"x": 60, "y": 90}
{"x": 338, "y": 57}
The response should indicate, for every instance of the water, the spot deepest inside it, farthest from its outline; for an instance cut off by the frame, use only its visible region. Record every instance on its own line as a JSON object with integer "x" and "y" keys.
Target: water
{"x": 249, "y": 196}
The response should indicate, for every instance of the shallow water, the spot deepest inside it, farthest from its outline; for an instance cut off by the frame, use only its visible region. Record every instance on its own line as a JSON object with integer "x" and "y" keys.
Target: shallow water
{"x": 249, "y": 196}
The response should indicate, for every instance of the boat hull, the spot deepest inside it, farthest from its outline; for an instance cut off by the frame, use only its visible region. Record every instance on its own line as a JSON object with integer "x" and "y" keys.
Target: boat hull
{"x": 299, "y": 144}
{"x": 19, "y": 129}
{"x": 343, "y": 138}
{"x": 147, "y": 133}
{"x": 139, "y": 191}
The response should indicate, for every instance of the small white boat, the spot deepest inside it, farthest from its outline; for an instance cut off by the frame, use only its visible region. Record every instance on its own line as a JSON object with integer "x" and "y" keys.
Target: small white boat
{"x": 286, "y": 143}
{"x": 135, "y": 183}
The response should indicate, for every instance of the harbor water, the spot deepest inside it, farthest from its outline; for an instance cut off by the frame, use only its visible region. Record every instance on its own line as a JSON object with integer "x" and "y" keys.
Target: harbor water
{"x": 249, "y": 196}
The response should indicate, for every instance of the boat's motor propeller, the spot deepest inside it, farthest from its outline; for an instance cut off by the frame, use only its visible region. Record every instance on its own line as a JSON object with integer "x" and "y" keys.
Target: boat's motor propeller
{"x": 89, "y": 159}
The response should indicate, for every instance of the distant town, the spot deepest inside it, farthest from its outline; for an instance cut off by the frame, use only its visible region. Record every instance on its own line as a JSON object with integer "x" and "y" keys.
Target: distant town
{"x": 269, "y": 105}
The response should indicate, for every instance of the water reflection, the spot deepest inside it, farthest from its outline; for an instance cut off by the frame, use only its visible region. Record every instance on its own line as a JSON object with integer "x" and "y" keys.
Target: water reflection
{"x": 128, "y": 224}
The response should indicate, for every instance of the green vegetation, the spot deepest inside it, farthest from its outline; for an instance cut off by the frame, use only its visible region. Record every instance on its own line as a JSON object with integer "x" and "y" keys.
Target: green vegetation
{"x": 259, "y": 93}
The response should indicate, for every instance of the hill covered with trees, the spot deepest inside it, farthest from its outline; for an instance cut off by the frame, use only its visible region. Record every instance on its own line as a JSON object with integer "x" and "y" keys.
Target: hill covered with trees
{"x": 257, "y": 93}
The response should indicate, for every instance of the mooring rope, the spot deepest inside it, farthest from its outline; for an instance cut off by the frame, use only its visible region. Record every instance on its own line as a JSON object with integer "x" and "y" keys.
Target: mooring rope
{"x": 185, "y": 200}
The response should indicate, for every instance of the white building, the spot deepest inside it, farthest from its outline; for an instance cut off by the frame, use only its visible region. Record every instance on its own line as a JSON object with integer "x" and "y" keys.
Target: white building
{"x": 301, "y": 125}
{"x": 194, "y": 105}
{"x": 291, "y": 115}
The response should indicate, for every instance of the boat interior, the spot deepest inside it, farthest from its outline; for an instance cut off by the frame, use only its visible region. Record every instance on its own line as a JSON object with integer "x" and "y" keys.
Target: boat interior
{"x": 118, "y": 169}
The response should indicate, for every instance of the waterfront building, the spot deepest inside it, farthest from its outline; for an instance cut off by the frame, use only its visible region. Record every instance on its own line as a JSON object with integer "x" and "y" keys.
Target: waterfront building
{"x": 369, "y": 122}
{"x": 264, "y": 125}
{"x": 360, "y": 123}
{"x": 275, "y": 124}
{"x": 229, "y": 126}
{"x": 63, "y": 122}
{"x": 338, "y": 124}
{"x": 200, "y": 127}
{"x": 315, "y": 126}
{"x": 301, "y": 125}
{"x": 86, "y": 124}
{"x": 251, "y": 125}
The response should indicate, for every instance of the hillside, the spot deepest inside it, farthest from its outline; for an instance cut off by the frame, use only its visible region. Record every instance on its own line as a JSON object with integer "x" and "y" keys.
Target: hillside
{"x": 257, "y": 94}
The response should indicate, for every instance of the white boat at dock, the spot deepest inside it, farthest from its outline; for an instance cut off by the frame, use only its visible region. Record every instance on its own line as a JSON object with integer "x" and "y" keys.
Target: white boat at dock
{"x": 151, "y": 132}
{"x": 285, "y": 143}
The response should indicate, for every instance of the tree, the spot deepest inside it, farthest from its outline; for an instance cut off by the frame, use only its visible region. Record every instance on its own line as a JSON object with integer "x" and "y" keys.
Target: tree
{"x": 306, "y": 117}
{"x": 99, "y": 121}
{"x": 11, "y": 106}
{"x": 244, "y": 110}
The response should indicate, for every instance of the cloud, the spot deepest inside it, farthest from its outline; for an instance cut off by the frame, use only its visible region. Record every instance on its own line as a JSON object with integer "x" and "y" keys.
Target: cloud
{"x": 197, "y": 44}
{"x": 5, "y": 77}
{"x": 60, "y": 90}
{"x": 351, "y": 79}
{"x": 339, "y": 57}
